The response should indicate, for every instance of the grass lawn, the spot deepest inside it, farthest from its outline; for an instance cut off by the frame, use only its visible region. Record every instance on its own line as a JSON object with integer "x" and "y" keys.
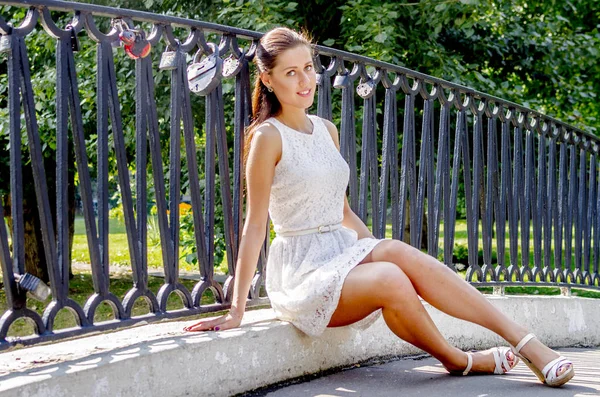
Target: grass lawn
{"x": 461, "y": 239}
{"x": 118, "y": 249}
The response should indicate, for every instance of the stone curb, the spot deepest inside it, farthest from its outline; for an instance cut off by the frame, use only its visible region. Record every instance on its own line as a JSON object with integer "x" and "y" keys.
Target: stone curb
{"x": 161, "y": 360}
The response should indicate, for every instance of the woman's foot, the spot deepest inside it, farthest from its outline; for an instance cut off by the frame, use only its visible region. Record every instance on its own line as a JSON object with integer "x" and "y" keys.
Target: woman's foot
{"x": 497, "y": 360}
{"x": 540, "y": 354}
{"x": 551, "y": 368}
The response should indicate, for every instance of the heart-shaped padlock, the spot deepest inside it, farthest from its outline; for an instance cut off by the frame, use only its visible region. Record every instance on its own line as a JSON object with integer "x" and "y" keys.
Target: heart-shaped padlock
{"x": 205, "y": 75}
{"x": 366, "y": 89}
{"x": 139, "y": 49}
{"x": 231, "y": 66}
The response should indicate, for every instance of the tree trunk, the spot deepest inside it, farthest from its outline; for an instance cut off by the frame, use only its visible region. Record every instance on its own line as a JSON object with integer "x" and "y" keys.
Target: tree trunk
{"x": 406, "y": 237}
{"x": 35, "y": 256}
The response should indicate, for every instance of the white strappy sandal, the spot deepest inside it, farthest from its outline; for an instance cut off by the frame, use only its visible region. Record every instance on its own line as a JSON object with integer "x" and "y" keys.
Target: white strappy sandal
{"x": 502, "y": 363}
{"x": 548, "y": 375}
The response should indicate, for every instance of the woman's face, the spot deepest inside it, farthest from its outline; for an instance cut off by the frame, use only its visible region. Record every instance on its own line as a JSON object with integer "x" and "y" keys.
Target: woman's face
{"x": 293, "y": 79}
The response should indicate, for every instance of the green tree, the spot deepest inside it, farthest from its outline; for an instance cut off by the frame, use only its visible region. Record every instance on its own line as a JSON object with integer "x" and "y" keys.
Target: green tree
{"x": 542, "y": 54}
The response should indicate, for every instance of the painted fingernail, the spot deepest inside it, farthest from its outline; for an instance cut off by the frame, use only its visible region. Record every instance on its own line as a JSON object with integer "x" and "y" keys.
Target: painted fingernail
{"x": 217, "y": 328}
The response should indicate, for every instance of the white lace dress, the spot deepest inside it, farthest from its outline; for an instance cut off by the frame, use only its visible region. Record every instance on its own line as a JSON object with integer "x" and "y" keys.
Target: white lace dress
{"x": 305, "y": 273}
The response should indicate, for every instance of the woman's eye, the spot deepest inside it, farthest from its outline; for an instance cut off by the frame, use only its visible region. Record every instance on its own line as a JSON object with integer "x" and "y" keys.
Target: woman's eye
{"x": 291, "y": 73}
{"x": 309, "y": 67}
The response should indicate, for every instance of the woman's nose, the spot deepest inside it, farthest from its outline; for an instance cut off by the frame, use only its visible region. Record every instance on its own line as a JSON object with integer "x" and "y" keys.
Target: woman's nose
{"x": 304, "y": 78}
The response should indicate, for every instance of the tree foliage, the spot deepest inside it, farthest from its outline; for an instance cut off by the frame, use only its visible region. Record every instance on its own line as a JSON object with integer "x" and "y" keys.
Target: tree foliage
{"x": 539, "y": 54}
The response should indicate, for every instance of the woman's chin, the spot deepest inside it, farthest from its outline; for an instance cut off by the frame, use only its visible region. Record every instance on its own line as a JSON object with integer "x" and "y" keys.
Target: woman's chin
{"x": 307, "y": 104}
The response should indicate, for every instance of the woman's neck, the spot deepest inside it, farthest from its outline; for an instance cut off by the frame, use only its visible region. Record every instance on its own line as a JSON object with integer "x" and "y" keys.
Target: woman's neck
{"x": 295, "y": 119}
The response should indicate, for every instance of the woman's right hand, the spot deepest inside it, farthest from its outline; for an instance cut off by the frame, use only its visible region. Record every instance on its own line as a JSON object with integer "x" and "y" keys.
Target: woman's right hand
{"x": 233, "y": 319}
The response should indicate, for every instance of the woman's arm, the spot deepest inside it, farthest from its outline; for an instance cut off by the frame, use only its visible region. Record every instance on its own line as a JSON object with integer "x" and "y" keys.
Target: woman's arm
{"x": 262, "y": 158}
{"x": 351, "y": 220}
{"x": 265, "y": 152}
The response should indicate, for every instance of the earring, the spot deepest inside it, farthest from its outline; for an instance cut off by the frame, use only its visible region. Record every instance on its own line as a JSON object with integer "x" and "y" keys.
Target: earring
{"x": 270, "y": 89}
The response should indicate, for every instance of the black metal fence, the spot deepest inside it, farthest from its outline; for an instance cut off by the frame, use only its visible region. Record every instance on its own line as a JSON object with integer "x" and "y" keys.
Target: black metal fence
{"x": 523, "y": 174}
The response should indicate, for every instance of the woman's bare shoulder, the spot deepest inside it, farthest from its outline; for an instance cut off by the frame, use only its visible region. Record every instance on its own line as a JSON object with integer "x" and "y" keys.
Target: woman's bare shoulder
{"x": 268, "y": 129}
{"x": 332, "y": 129}
{"x": 330, "y": 126}
{"x": 267, "y": 141}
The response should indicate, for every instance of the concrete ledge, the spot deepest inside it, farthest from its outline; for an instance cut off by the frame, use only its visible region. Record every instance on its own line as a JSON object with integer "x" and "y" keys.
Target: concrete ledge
{"x": 162, "y": 360}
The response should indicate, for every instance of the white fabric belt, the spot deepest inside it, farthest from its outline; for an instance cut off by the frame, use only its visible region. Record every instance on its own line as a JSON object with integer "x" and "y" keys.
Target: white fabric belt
{"x": 320, "y": 229}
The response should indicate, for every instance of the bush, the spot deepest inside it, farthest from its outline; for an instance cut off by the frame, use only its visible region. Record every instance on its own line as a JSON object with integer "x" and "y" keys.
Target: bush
{"x": 460, "y": 254}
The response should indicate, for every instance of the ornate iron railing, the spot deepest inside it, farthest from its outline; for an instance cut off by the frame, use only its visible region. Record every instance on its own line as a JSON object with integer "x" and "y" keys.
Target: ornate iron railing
{"x": 542, "y": 176}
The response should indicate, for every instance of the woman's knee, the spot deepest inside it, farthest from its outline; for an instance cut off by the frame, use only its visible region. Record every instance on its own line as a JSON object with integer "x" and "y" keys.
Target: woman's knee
{"x": 405, "y": 256}
{"x": 392, "y": 250}
{"x": 390, "y": 282}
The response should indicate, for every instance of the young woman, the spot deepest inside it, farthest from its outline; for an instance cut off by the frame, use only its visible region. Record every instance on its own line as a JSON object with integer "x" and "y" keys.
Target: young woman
{"x": 325, "y": 268}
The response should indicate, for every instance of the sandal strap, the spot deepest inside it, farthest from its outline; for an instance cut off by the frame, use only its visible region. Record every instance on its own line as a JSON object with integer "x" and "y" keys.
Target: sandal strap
{"x": 502, "y": 364}
{"x": 550, "y": 369}
{"x": 523, "y": 342}
{"x": 469, "y": 364}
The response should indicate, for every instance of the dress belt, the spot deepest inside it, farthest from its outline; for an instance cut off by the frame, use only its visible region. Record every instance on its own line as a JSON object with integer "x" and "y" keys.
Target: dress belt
{"x": 320, "y": 229}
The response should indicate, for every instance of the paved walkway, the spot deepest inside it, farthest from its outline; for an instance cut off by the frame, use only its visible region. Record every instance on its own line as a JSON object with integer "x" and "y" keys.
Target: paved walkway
{"x": 424, "y": 376}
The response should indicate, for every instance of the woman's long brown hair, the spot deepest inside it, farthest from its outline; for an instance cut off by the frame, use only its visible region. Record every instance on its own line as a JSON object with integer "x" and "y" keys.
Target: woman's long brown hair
{"x": 264, "y": 103}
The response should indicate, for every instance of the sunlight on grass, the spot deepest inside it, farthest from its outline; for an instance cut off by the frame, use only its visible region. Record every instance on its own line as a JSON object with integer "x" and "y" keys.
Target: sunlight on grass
{"x": 461, "y": 239}
{"x": 119, "y": 248}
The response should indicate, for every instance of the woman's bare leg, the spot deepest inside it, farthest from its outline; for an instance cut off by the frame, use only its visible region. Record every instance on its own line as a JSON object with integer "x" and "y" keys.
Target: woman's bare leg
{"x": 446, "y": 291}
{"x": 384, "y": 285}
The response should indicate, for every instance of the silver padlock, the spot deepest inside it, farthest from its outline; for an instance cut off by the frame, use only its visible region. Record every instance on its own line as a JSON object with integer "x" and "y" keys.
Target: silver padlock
{"x": 5, "y": 44}
{"x": 205, "y": 75}
{"x": 231, "y": 66}
{"x": 366, "y": 89}
{"x": 319, "y": 78}
{"x": 341, "y": 81}
{"x": 169, "y": 60}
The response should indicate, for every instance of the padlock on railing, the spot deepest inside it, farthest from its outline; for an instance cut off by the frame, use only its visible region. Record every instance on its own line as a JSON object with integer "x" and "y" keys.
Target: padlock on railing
{"x": 5, "y": 44}
{"x": 140, "y": 47}
{"x": 133, "y": 41}
{"x": 366, "y": 89}
{"x": 341, "y": 81}
{"x": 205, "y": 75}
{"x": 231, "y": 66}
{"x": 319, "y": 78}
{"x": 169, "y": 60}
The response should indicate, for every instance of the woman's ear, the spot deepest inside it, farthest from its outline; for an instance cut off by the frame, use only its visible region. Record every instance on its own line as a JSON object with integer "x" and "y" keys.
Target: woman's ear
{"x": 265, "y": 78}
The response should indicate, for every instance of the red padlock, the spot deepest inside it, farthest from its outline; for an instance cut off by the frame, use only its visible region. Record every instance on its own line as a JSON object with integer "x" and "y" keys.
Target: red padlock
{"x": 140, "y": 48}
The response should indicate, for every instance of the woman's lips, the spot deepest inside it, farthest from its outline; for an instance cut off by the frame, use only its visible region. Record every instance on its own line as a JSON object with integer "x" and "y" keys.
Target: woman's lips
{"x": 304, "y": 93}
